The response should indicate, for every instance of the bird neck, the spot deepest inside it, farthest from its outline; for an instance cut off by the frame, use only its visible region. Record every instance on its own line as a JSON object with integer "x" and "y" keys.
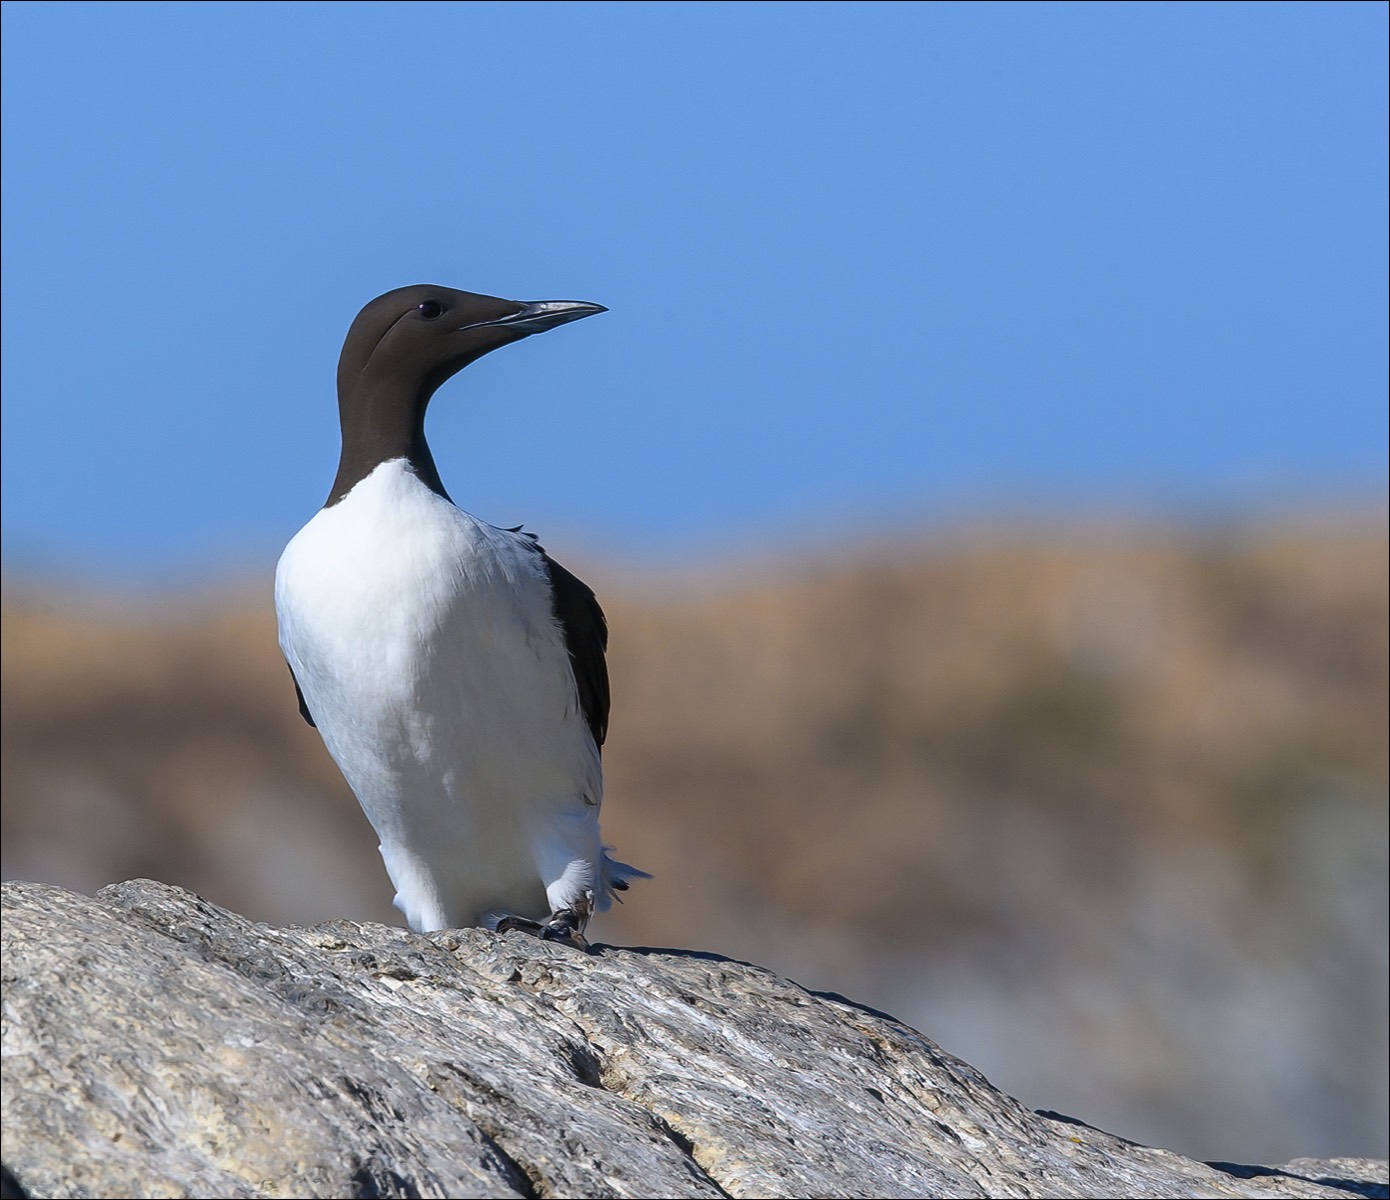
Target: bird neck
{"x": 378, "y": 425}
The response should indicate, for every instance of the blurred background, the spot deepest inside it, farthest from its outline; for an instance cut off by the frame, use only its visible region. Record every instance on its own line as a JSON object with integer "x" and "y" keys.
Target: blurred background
{"x": 983, "y": 466}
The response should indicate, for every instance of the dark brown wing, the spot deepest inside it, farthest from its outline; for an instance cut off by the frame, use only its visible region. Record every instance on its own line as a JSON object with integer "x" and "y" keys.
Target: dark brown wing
{"x": 586, "y": 637}
{"x": 299, "y": 695}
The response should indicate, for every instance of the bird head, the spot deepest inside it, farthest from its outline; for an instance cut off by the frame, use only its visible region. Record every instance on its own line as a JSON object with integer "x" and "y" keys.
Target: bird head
{"x": 414, "y": 338}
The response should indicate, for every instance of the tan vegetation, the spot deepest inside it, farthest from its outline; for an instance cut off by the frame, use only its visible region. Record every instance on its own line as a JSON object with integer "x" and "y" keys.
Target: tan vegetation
{"x": 1102, "y": 809}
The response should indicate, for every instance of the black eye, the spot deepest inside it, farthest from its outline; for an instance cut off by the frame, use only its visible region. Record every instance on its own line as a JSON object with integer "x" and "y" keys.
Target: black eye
{"x": 431, "y": 310}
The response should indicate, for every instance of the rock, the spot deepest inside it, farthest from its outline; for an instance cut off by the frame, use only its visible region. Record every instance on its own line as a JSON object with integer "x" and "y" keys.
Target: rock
{"x": 157, "y": 1045}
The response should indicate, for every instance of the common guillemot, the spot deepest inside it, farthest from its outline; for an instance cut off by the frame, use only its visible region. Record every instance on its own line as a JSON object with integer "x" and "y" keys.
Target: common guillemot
{"x": 455, "y": 670}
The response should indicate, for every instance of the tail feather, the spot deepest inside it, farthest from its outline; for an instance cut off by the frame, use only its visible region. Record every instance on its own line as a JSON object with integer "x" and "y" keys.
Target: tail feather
{"x": 616, "y": 877}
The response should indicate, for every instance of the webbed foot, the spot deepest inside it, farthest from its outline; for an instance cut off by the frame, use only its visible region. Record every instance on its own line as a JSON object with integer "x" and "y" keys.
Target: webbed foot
{"x": 519, "y": 924}
{"x": 563, "y": 926}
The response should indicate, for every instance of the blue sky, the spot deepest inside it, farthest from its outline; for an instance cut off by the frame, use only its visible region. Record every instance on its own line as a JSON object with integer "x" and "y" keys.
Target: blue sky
{"x": 864, "y": 262}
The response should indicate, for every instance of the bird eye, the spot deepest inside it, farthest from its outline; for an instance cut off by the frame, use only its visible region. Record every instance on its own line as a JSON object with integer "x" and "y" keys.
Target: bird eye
{"x": 431, "y": 310}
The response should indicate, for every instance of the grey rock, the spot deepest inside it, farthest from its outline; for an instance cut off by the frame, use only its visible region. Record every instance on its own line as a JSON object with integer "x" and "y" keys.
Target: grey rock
{"x": 157, "y": 1045}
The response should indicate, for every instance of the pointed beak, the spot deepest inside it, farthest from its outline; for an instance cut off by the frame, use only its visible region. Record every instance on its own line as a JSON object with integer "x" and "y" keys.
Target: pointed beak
{"x": 541, "y": 315}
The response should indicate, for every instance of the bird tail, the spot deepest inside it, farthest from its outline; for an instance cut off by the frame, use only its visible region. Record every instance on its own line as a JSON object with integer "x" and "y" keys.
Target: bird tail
{"x": 615, "y": 877}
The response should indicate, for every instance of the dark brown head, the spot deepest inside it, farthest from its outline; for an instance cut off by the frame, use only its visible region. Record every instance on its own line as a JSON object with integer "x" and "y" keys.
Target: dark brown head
{"x": 401, "y": 348}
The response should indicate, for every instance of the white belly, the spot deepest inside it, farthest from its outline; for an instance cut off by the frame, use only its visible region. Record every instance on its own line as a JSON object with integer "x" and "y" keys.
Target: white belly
{"x": 425, "y": 646}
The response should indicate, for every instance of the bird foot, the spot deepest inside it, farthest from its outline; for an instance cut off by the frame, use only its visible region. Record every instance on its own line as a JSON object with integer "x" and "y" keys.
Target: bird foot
{"x": 563, "y": 926}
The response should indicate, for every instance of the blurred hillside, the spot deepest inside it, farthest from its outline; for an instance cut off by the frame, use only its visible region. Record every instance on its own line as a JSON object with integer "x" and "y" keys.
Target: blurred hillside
{"x": 1102, "y": 810}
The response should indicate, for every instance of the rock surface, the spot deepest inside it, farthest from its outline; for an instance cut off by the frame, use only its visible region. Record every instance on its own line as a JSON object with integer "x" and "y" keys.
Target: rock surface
{"x": 157, "y": 1045}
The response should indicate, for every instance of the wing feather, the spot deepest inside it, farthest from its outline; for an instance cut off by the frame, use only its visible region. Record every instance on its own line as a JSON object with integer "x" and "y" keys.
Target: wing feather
{"x": 586, "y": 637}
{"x": 299, "y": 695}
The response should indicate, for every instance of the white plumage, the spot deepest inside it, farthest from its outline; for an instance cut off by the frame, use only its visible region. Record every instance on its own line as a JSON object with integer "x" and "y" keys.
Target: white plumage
{"x": 424, "y": 643}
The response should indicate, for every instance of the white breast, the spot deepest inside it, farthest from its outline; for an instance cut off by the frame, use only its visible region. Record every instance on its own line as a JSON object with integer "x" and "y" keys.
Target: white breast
{"x": 426, "y": 648}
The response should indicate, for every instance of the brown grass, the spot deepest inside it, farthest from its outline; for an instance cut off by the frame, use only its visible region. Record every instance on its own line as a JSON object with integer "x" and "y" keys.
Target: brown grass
{"x": 923, "y": 774}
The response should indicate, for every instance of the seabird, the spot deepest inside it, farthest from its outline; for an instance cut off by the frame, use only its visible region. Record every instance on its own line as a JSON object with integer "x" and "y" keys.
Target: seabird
{"x": 454, "y": 669}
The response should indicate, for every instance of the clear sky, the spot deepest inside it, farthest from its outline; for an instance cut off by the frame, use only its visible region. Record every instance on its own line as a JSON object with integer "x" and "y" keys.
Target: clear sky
{"x": 864, "y": 261}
